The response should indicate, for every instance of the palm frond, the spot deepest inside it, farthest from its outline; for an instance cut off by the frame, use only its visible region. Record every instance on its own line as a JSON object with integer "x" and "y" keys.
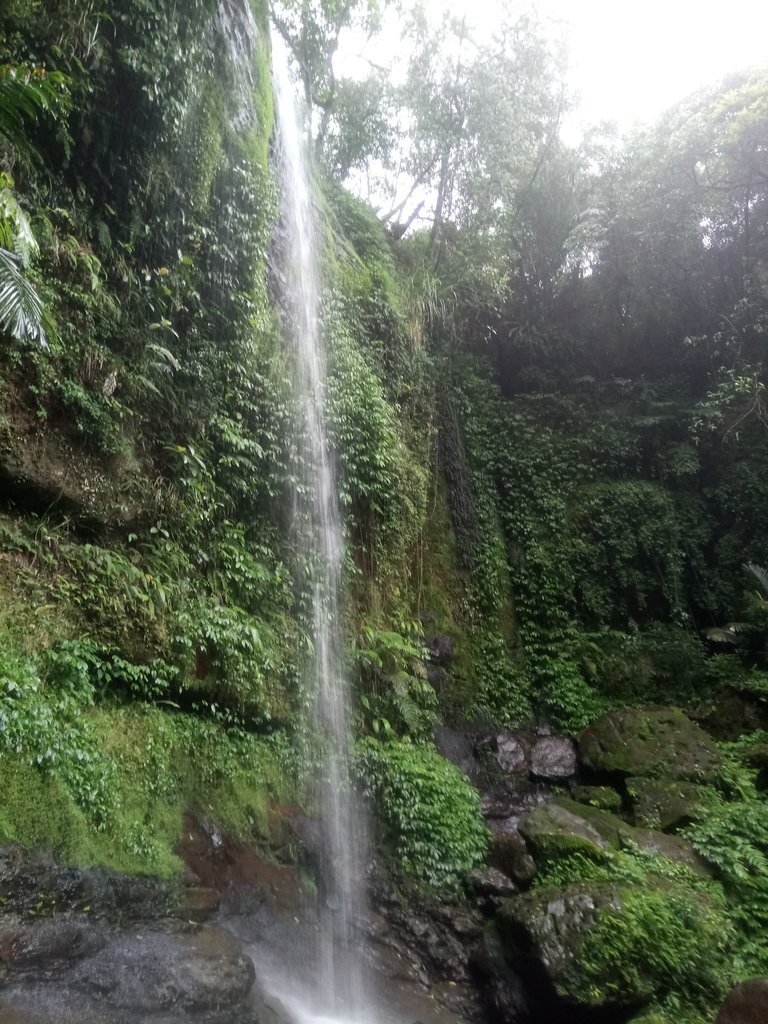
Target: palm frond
{"x": 729, "y": 634}
{"x": 21, "y": 308}
{"x": 760, "y": 574}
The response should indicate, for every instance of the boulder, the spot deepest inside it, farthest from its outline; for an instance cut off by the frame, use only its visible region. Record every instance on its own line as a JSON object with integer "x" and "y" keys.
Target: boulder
{"x": 746, "y": 1003}
{"x": 491, "y": 882}
{"x": 510, "y": 855}
{"x": 554, "y": 758}
{"x": 617, "y": 833}
{"x": 672, "y": 847}
{"x": 661, "y": 742}
{"x": 150, "y": 972}
{"x": 603, "y": 797}
{"x": 510, "y": 754}
{"x": 665, "y": 803}
{"x": 503, "y": 805}
{"x": 609, "y": 826}
{"x": 757, "y": 757}
{"x": 548, "y": 926}
{"x": 441, "y": 648}
{"x": 608, "y": 945}
{"x": 458, "y": 748}
{"x": 552, "y": 830}
{"x": 44, "y": 947}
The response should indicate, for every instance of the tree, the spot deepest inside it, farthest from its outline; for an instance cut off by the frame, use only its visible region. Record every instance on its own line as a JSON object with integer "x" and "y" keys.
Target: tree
{"x": 673, "y": 239}
{"x": 477, "y": 120}
{"x": 311, "y": 29}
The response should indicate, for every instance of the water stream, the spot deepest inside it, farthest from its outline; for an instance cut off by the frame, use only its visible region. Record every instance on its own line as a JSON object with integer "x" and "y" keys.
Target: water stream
{"x": 340, "y": 994}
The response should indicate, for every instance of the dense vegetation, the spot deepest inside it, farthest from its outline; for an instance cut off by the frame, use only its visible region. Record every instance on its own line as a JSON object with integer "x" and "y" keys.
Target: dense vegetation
{"x": 546, "y": 394}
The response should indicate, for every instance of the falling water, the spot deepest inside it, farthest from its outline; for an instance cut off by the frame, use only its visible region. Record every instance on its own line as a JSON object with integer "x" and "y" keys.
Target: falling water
{"x": 317, "y": 511}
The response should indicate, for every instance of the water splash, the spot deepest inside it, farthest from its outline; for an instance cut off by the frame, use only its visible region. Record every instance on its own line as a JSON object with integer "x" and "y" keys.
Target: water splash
{"x": 341, "y": 992}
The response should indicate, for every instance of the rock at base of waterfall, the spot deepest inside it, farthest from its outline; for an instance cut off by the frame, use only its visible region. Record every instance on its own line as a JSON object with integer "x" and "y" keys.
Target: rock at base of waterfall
{"x": 554, "y": 758}
{"x": 746, "y": 1003}
{"x": 510, "y": 754}
{"x": 510, "y": 855}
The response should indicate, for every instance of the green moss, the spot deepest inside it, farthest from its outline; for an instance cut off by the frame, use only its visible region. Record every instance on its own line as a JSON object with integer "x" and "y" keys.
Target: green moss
{"x": 554, "y": 832}
{"x": 36, "y": 809}
{"x": 660, "y": 943}
{"x": 602, "y": 797}
{"x": 110, "y": 785}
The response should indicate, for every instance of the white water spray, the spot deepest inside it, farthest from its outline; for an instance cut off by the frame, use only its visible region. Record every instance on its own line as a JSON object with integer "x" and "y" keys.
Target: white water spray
{"x": 340, "y": 995}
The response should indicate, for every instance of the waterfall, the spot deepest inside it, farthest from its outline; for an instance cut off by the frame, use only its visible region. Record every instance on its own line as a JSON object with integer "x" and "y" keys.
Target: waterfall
{"x": 340, "y": 986}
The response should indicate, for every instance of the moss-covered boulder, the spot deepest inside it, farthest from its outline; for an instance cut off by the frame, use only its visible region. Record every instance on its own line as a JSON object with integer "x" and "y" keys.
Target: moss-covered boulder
{"x": 660, "y": 742}
{"x": 551, "y": 831}
{"x": 602, "y": 944}
{"x": 666, "y": 804}
{"x": 619, "y": 834}
{"x": 603, "y": 797}
{"x": 609, "y": 826}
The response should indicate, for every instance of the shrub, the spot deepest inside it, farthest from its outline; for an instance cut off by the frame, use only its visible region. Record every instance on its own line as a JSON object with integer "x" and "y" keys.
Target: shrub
{"x": 428, "y": 808}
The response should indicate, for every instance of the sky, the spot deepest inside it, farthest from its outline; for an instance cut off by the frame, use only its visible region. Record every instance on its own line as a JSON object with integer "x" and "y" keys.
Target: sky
{"x": 632, "y": 59}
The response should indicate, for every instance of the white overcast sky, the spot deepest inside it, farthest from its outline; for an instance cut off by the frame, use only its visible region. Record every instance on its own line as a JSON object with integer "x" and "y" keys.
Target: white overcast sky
{"x": 632, "y": 60}
{"x": 629, "y": 61}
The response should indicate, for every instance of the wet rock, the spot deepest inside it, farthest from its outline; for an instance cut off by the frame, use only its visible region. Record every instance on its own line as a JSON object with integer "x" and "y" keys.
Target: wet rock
{"x": 492, "y": 882}
{"x": 437, "y": 678}
{"x": 198, "y": 903}
{"x": 603, "y": 797}
{"x": 554, "y": 758}
{"x": 441, "y": 648}
{"x": 510, "y": 754}
{"x": 664, "y": 803}
{"x": 462, "y": 922}
{"x": 45, "y": 947}
{"x": 459, "y": 749}
{"x": 148, "y": 972}
{"x": 662, "y": 742}
{"x": 746, "y": 1003}
{"x": 551, "y": 830}
{"x": 32, "y": 883}
{"x": 510, "y": 855}
{"x": 503, "y": 988}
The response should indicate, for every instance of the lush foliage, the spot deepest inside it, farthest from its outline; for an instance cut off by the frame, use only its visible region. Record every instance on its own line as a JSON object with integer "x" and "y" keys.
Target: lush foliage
{"x": 733, "y": 835}
{"x": 665, "y": 944}
{"x": 430, "y": 811}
